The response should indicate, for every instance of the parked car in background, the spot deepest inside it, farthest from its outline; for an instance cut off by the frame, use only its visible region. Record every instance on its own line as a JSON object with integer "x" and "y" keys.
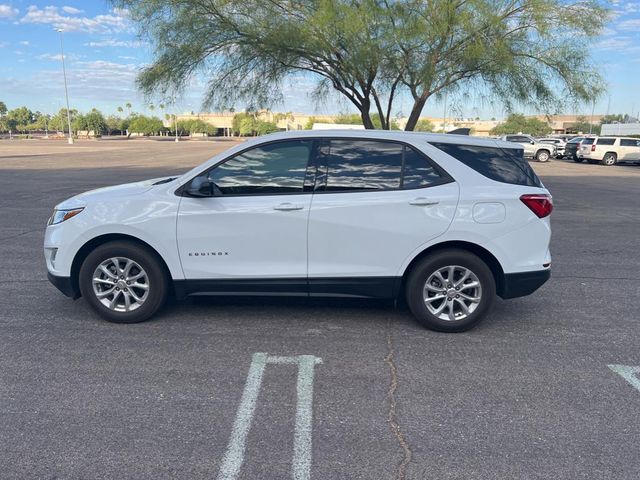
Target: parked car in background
{"x": 542, "y": 152}
{"x": 610, "y": 150}
{"x": 447, "y": 221}
{"x": 571, "y": 148}
{"x": 558, "y": 142}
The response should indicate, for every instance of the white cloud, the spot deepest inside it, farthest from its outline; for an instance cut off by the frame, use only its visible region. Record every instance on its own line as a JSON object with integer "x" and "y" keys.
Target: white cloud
{"x": 25, "y": 43}
{"x": 117, "y": 43}
{"x": 56, "y": 57}
{"x": 614, "y": 43}
{"x": 71, "y": 10}
{"x": 4, "y": 44}
{"x": 7, "y": 11}
{"x": 50, "y": 15}
{"x": 633, "y": 24}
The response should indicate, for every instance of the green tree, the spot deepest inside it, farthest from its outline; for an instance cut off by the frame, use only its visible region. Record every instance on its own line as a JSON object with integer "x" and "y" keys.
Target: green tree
{"x": 616, "y": 117}
{"x": 310, "y": 122}
{"x": 373, "y": 51}
{"x": 196, "y": 126}
{"x": 3, "y": 109}
{"x": 59, "y": 121}
{"x": 424, "y": 125}
{"x": 20, "y": 118}
{"x": 518, "y": 123}
{"x": 583, "y": 125}
{"x": 145, "y": 125}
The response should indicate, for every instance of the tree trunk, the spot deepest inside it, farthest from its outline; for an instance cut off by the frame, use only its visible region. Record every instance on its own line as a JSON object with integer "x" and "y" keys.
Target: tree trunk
{"x": 414, "y": 116}
{"x": 366, "y": 116}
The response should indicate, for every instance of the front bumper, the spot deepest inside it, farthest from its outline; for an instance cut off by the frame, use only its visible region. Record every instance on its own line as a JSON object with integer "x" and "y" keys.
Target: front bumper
{"x": 65, "y": 285}
{"x": 522, "y": 284}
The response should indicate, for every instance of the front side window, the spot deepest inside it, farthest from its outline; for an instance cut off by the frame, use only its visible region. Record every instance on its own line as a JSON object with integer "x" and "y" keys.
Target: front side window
{"x": 268, "y": 169}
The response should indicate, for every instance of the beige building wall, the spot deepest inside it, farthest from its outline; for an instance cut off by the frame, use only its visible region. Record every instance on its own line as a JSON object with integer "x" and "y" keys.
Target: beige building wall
{"x": 298, "y": 121}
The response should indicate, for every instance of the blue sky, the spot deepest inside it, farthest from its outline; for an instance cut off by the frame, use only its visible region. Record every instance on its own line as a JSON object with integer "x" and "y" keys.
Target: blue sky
{"x": 103, "y": 56}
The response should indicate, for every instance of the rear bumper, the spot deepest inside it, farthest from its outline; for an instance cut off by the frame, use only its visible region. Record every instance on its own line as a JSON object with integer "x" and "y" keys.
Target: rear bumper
{"x": 64, "y": 284}
{"x": 525, "y": 283}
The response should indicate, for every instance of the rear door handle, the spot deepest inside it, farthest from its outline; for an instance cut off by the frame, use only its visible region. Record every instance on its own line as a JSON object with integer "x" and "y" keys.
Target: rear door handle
{"x": 286, "y": 207}
{"x": 423, "y": 202}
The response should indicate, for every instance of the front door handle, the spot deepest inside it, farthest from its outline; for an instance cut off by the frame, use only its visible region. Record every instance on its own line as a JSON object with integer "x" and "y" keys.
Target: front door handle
{"x": 423, "y": 202}
{"x": 286, "y": 207}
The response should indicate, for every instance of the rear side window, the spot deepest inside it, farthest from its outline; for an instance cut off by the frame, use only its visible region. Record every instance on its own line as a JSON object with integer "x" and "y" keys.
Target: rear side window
{"x": 363, "y": 165}
{"x": 606, "y": 141}
{"x": 588, "y": 141}
{"x": 506, "y": 165}
{"x": 369, "y": 165}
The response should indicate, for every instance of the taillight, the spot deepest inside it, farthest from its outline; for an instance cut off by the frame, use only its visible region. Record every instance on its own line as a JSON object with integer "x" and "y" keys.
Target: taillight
{"x": 539, "y": 203}
{"x": 593, "y": 147}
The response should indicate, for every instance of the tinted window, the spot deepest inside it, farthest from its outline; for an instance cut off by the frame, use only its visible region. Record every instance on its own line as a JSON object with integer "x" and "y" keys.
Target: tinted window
{"x": 268, "y": 169}
{"x": 363, "y": 165}
{"x": 588, "y": 141}
{"x": 418, "y": 171}
{"x": 606, "y": 141}
{"x": 629, "y": 142}
{"x": 505, "y": 165}
{"x": 575, "y": 140}
{"x": 518, "y": 139}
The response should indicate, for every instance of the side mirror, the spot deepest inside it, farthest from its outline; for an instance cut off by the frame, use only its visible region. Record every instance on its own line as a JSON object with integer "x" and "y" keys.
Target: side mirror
{"x": 532, "y": 142}
{"x": 200, "y": 187}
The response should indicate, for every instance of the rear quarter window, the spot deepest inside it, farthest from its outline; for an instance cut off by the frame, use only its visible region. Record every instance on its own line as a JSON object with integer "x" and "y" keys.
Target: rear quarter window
{"x": 506, "y": 165}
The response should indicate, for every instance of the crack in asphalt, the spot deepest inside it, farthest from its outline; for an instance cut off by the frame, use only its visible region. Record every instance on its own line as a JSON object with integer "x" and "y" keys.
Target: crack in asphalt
{"x": 392, "y": 418}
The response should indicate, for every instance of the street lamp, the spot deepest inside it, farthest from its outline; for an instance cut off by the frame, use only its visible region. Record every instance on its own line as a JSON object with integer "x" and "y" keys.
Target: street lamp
{"x": 66, "y": 92}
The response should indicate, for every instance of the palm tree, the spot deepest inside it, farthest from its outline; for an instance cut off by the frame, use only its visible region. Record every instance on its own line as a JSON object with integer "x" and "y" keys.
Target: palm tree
{"x": 128, "y": 105}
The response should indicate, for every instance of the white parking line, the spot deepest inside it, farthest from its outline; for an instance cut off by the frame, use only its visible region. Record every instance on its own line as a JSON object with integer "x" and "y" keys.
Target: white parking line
{"x": 234, "y": 456}
{"x": 235, "y": 450}
{"x": 629, "y": 373}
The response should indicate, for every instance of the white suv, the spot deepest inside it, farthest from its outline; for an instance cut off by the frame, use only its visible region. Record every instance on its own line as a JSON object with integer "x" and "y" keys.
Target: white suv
{"x": 445, "y": 220}
{"x": 533, "y": 148}
{"x": 609, "y": 150}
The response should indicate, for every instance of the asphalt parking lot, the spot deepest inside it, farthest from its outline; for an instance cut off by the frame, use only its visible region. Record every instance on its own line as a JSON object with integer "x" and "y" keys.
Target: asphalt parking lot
{"x": 346, "y": 389}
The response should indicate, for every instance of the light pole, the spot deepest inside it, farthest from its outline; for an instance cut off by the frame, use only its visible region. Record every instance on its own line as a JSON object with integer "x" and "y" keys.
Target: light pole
{"x": 66, "y": 92}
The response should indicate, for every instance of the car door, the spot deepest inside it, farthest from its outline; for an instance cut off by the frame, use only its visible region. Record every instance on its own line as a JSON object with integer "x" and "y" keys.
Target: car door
{"x": 254, "y": 225}
{"x": 375, "y": 203}
{"x": 629, "y": 149}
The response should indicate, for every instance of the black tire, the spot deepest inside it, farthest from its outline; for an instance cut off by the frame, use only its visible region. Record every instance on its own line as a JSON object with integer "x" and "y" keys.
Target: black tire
{"x": 577, "y": 159}
{"x": 156, "y": 280}
{"x": 421, "y": 272}
{"x": 609, "y": 159}
{"x": 543, "y": 155}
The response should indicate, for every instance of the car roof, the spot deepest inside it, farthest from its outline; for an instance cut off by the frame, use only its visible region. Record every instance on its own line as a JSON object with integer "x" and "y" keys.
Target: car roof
{"x": 397, "y": 135}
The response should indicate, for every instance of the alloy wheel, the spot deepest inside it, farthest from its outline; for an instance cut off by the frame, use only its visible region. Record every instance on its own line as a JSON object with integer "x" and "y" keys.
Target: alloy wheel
{"x": 120, "y": 284}
{"x": 452, "y": 293}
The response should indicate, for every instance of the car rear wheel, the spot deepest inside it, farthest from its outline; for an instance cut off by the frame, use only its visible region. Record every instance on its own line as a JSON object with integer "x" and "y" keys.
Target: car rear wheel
{"x": 610, "y": 159}
{"x": 450, "y": 290}
{"x": 123, "y": 282}
{"x": 543, "y": 155}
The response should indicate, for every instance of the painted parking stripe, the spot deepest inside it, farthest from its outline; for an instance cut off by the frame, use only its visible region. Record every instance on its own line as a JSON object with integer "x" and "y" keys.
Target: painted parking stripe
{"x": 234, "y": 455}
{"x": 629, "y": 373}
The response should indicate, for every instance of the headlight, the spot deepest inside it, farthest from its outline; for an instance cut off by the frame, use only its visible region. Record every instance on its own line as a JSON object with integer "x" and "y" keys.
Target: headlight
{"x": 60, "y": 216}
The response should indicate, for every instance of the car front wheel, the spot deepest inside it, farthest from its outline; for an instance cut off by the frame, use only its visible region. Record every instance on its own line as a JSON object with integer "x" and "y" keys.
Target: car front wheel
{"x": 450, "y": 290}
{"x": 123, "y": 282}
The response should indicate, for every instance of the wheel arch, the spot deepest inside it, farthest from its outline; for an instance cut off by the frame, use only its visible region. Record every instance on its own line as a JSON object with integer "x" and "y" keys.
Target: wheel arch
{"x": 95, "y": 242}
{"x": 485, "y": 255}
